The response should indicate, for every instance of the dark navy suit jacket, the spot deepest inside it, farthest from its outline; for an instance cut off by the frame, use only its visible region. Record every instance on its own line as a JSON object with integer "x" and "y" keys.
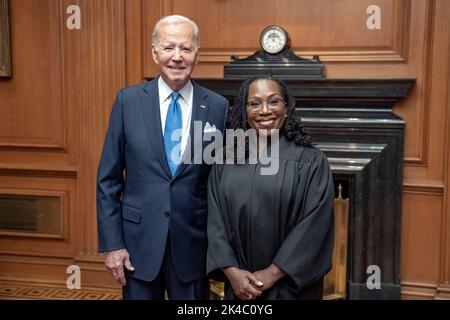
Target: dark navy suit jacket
{"x": 139, "y": 203}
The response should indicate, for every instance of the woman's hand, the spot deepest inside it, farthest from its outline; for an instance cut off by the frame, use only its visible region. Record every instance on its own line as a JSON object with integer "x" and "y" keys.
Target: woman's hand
{"x": 269, "y": 276}
{"x": 245, "y": 285}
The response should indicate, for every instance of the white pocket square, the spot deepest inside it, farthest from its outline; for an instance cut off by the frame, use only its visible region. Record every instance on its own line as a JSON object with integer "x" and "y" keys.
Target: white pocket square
{"x": 209, "y": 129}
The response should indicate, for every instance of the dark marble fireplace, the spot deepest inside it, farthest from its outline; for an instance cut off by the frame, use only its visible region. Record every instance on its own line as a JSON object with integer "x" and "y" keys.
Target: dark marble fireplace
{"x": 352, "y": 121}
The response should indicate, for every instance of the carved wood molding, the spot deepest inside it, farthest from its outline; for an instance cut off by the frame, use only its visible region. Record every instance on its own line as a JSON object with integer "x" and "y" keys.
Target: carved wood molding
{"x": 57, "y": 146}
{"x": 419, "y": 290}
{"x": 425, "y": 102}
{"x": 208, "y": 55}
{"x": 443, "y": 292}
{"x": 36, "y": 257}
{"x": 38, "y": 171}
{"x": 435, "y": 189}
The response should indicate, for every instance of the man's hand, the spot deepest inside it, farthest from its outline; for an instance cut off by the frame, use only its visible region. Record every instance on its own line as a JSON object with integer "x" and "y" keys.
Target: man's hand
{"x": 115, "y": 260}
{"x": 269, "y": 276}
{"x": 244, "y": 284}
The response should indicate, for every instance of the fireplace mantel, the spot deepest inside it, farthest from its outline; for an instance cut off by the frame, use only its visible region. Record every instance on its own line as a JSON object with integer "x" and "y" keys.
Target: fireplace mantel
{"x": 352, "y": 121}
{"x": 378, "y": 93}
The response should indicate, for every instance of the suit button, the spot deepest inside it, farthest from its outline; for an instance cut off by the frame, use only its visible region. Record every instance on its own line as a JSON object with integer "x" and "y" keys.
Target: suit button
{"x": 166, "y": 214}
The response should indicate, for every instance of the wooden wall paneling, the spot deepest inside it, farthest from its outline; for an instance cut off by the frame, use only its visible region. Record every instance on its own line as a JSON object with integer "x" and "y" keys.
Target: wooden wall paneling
{"x": 422, "y": 59}
{"x": 99, "y": 69}
{"x": 41, "y": 257}
{"x": 319, "y": 27}
{"x": 63, "y": 188}
{"x": 34, "y": 96}
{"x": 152, "y": 11}
{"x": 135, "y": 41}
{"x": 429, "y": 169}
{"x": 420, "y": 248}
{"x": 428, "y": 172}
{"x": 37, "y": 134}
{"x": 233, "y": 27}
{"x": 415, "y": 108}
{"x": 444, "y": 278}
{"x": 36, "y": 121}
{"x": 434, "y": 108}
{"x": 33, "y": 269}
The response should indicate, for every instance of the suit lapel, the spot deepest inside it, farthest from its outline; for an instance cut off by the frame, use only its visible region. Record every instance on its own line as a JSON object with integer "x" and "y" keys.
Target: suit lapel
{"x": 152, "y": 119}
{"x": 200, "y": 111}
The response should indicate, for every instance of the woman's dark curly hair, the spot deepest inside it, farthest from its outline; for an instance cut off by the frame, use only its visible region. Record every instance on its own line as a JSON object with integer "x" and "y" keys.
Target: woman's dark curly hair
{"x": 293, "y": 128}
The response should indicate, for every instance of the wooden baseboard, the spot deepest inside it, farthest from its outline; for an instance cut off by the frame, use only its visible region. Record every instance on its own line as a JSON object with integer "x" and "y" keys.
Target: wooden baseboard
{"x": 424, "y": 291}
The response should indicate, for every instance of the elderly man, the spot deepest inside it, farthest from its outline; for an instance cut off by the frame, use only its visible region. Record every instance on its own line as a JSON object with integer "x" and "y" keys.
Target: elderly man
{"x": 151, "y": 202}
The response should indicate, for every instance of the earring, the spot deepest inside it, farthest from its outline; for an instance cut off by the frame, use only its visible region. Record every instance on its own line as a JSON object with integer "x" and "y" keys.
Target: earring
{"x": 285, "y": 115}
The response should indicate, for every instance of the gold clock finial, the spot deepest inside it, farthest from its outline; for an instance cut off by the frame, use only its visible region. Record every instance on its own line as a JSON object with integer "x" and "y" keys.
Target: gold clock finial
{"x": 340, "y": 191}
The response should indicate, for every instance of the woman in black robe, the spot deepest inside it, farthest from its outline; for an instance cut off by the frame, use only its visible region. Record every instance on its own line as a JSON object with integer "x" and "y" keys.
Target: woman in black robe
{"x": 270, "y": 235}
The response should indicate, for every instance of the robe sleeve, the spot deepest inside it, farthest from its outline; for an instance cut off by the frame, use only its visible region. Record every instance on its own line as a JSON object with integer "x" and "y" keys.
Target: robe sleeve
{"x": 220, "y": 253}
{"x": 306, "y": 253}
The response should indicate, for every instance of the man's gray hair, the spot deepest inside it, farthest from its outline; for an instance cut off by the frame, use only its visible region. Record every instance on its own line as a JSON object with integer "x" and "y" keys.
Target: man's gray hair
{"x": 176, "y": 19}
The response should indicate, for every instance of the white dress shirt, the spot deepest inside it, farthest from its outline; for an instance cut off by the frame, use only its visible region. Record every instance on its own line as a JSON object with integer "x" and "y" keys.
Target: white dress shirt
{"x": 185, "y": 101}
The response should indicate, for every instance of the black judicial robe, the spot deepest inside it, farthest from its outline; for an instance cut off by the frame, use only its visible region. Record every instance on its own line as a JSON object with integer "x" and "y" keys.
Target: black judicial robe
{"x": 286, "y": 219}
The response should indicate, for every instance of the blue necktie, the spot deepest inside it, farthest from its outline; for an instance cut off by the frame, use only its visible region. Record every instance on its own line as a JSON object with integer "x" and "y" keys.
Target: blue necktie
{"x": 172, "y": 141}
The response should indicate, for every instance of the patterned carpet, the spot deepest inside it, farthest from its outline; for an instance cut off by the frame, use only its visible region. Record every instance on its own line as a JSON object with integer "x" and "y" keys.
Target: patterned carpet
{"x": 20, "y": 291}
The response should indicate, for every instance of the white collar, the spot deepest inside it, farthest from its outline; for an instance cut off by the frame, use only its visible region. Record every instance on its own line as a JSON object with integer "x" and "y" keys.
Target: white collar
{"x": 165, "y": 91}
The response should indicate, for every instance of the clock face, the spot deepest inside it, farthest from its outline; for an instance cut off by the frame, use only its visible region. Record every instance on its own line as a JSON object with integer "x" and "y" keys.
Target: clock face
{"x": 273, "y": 39}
